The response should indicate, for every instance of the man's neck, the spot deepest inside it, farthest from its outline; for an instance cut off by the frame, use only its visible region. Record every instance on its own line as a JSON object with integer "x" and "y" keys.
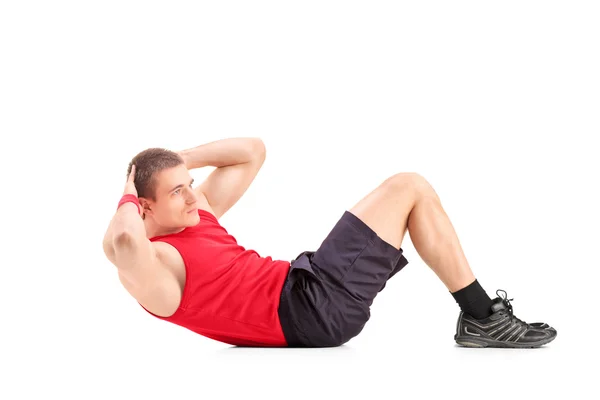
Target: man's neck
{"x": 153, "y": 229}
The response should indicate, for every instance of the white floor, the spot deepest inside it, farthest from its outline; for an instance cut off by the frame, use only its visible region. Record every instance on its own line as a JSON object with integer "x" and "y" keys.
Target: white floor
{"x": 409, "y": 368}
{"x": 121, "y": 352}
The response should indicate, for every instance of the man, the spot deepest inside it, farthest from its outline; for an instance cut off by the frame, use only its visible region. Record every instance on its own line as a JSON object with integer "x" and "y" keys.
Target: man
{"x": 181, "y": 265}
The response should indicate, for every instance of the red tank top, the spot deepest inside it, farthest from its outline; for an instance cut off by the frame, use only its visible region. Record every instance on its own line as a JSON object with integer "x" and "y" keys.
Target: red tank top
{"x": 230, "y": 294}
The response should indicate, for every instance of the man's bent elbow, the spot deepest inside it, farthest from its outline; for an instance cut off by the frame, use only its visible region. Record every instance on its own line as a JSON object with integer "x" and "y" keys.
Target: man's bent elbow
{"x": 122, "y": 239}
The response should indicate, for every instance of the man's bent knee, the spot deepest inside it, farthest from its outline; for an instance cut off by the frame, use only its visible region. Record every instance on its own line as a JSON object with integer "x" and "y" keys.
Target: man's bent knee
{"x": 411, "y": 181}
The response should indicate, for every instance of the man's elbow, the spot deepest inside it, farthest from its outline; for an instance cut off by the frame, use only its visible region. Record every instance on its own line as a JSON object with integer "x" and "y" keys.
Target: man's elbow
{"x": 122, "y": 239}
{"x": 259, "y": 150}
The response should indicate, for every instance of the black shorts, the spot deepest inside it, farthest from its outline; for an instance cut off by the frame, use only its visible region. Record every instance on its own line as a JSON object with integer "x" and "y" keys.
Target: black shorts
{"x": 327, "y": 295}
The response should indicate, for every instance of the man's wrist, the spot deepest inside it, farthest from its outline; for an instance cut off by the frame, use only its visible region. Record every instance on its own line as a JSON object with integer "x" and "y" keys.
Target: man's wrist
{"x": 130, "y": 198}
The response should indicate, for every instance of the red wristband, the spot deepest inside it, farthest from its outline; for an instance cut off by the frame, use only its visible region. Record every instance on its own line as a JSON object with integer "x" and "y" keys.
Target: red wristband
{"x": 130, "y": 198}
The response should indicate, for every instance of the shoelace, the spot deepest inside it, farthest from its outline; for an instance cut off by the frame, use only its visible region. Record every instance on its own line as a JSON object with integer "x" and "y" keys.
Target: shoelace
{"x": 506, "y": 302}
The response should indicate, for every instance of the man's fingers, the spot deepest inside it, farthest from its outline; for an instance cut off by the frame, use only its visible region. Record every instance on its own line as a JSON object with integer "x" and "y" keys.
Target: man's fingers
{"x": 132, "y": 173}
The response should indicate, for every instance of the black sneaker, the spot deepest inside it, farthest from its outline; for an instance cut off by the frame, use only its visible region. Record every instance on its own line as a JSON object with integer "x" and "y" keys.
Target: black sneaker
{"x": 501, "y": 329}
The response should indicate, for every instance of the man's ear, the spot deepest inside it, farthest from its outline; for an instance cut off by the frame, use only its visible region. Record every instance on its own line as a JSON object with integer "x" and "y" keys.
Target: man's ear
{"x": 145, "y": 205}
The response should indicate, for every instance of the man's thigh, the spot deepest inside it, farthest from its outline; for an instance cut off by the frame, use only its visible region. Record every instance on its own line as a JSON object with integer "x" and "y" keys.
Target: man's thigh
{"x": 334, "y": 286}
{"x": 357, "y": 259}
{"x": 386, "y": 208}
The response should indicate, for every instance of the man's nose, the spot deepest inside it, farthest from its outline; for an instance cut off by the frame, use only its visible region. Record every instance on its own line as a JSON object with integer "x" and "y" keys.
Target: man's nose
{"x": 192, "y": 197}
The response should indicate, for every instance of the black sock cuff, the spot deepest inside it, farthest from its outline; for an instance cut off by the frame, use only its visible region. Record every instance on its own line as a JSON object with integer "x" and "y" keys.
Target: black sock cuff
{"x": 473, "y": 300}
{"x": 471, "y": 286}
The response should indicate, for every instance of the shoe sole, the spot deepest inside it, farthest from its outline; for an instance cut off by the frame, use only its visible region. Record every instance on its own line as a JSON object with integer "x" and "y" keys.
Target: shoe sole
{"x": 484, "y": 342}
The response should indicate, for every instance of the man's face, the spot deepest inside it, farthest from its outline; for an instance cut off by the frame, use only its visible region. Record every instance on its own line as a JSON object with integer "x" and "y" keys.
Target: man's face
{"x": 175, "y": 198}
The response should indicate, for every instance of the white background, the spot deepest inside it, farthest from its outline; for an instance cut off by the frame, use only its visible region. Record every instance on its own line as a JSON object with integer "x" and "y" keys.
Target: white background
{"x": 495, "y": 103}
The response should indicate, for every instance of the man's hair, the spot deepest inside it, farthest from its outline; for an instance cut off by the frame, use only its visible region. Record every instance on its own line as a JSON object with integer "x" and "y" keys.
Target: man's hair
{"x": 148, "y": 164}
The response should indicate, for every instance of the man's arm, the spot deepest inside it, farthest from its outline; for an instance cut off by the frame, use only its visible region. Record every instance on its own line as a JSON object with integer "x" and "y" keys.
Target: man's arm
{"x": 238, "y": 161}
{"x": 126, "y": 246}
{"x": 126, "y": 220}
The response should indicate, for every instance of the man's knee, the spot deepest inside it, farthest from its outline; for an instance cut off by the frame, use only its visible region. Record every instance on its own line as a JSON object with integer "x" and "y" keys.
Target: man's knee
{"x": 409, "y": 181}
